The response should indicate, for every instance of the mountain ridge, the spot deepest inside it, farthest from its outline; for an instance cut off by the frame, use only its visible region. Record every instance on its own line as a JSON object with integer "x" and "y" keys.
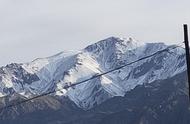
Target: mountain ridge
{"x": 41, "y": 75}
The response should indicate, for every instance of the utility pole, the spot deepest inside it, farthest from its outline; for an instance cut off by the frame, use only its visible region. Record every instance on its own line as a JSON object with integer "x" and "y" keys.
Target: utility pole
{"x": 187, "y": 53}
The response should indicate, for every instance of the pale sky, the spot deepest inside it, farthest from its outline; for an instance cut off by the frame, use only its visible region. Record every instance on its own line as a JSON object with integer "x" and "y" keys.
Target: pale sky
{"x": 31, "y": 29}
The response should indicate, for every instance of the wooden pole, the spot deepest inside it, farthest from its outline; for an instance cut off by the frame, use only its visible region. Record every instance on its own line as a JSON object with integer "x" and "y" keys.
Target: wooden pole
{"x": 187, "y": 53}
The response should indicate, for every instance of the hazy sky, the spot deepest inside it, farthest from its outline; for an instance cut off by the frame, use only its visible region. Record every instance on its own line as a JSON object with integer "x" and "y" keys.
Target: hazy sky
{"x": 39, "y": 28}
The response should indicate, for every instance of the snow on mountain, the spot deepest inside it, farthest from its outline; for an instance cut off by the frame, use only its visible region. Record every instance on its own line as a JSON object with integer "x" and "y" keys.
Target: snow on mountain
{"x": 45, "y": 74}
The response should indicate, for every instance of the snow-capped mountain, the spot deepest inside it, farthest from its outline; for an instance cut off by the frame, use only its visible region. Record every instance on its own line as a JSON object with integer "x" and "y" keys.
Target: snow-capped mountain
{"x": 52, "y": 73}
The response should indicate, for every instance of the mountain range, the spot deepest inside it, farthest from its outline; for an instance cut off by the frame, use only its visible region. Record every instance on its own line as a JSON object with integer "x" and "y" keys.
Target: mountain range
{"x": 151, "y": 91}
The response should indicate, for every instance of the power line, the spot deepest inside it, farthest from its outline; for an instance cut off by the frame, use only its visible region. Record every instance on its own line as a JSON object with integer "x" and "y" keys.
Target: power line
{"x": 146, "y": 57}
{"x": 93, "y": 77}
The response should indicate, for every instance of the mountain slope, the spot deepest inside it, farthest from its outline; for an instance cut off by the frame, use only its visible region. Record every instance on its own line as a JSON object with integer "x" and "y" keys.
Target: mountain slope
{"x": 159, "y": 102}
